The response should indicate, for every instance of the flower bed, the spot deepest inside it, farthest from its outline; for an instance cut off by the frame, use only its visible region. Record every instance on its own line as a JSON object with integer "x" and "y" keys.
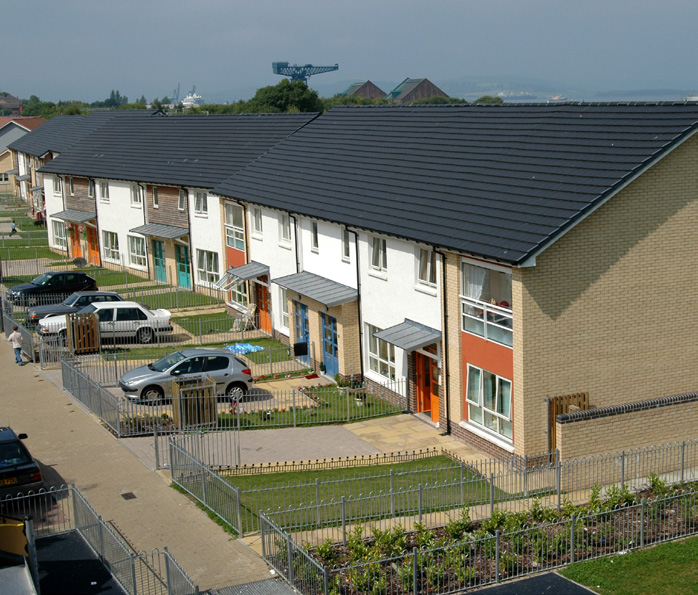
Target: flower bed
{"x": 282, "y": 376}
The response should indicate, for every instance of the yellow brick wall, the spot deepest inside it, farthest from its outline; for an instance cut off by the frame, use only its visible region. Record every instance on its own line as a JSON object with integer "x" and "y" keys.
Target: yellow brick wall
{"x": 609, "y": 309}
{"x": 454, "y": 366}
{"x": 628, "y": 430}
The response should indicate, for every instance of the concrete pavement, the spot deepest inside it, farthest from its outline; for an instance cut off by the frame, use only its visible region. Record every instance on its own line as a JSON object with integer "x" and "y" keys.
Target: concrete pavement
{"x": 74, "y": 449}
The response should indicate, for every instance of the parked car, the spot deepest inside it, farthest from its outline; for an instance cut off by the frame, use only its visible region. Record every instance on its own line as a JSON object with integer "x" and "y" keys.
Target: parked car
{"x": 152, "y": 382}
{"x": 53, "y": 283}
{"x": 19, "y": 472}
{"x": 73, "y": 303}
{"x": 117, "y": 320}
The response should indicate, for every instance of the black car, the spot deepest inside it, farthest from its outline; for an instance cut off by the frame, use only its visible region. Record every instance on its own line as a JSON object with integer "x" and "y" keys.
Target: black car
{"x": 19, "y": 472}
{"x": 72, "y": 303}
{"x": 54, "y": 283}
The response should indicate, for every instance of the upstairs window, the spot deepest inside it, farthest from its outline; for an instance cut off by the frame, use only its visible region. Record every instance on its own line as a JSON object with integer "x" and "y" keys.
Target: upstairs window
{"x": 379, "y": 255}
{"x": 314, "y": 239}
{"x": 104, "y": 191}
{"x": 426, "y": 275}
{"x": 91, "y": 188}
{"x": 346, "y": 249}
{"x": 58, "y": 186}
{"x": 257, "y": 220}
{"x": 486, "y": 303}
{"x": 284, "y": 228}
{"x": 156, "y": 200}
{"x": 201, "y": 204}
{"x": 71, "y": 186}
{"x": 136, "y": 195}
{"x": 182, "y": 202}
{"x": 234, "y": 228}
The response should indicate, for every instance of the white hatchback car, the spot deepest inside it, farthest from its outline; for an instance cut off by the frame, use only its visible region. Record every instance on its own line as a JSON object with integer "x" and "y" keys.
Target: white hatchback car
{"x": 117, "y": 320}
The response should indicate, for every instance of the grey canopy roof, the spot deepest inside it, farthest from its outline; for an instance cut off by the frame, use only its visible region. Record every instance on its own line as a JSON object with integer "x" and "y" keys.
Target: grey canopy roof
{"x": 496, "y": 181}
{"x": 159, "y": 230}
{"x": 251, "y": 270}
{"x": 75, "y": 216}
{"x": 329, "y": 293}
{"x": 409, "y": 335}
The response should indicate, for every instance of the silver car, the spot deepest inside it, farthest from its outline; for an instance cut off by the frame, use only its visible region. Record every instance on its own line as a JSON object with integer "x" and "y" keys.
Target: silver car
{"x": 151, "y": 383}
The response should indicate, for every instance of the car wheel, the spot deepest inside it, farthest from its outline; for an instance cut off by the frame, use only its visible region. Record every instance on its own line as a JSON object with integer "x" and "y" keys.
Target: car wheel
{"x": 235, "y": 391}
{"x": 152, "y": 394}
{"x": 145, "y": 335}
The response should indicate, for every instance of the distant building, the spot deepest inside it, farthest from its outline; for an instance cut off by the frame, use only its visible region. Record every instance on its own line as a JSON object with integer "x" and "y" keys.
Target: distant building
{"x": 413, "y": 89}
{"x": 366, "y": 90}
{"x": 10, "y": 102}
{"x": 11, "y": 129}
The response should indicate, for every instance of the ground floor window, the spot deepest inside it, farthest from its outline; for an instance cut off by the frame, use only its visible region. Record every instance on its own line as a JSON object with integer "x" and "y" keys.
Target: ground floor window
{"x": 59, "y": 238}
{"x": 238, "y": 294}
{"x": 207, "y": 266}
{"x": 110, "y": 240}
{"x": 381, "y": 354}
{"x": 283, "y": 296}
{"x": 136, "y": 251}
{"x": 488, "y": 398}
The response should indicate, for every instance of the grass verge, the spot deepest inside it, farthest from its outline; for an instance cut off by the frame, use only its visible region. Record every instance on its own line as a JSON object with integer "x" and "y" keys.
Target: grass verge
{"x": 666, "y": 569}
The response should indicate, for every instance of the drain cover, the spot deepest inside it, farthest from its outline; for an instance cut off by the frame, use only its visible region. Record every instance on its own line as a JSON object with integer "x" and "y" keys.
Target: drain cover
{"x": 128, "y": 496}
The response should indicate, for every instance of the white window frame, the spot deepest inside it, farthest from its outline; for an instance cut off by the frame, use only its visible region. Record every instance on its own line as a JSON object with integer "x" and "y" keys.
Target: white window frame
{"x": 4, "y": 177}
{"x": 346, "y": 245}
{"x": 207, "y": 267}
{"x": 283, "y": 298}
{"x": 58, "y": 186}
{"x": 381, "y": 354}
{"x": 71, "y": 186}
{"x": 234, "y": 226}
{"x": 137, "y": 254}
{"x": 156, "y": 198}
{"x": 90, "y": 188}
{"x": 257, "y": 221}
{"x": 136, "y": 196}
{"x": 238, "y": 294}
{"x": 499, "y": 414}
{"x": 110, "y": 243}
{"x": 104, "y": 191}
{"x": 426, "y": 267}
{"x": 285, "y": 229}
{"x": 201, "y": 204}
{"x": 314, "y": 237}
{"x": 59, "y": 236}
{"x": 379, "y": 255}
{"x": 182, "y": 200}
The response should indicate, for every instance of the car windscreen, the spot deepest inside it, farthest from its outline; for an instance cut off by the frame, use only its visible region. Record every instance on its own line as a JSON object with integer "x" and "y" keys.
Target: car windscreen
{"x": 71, "y": 299}
{"x": 87, "y": 309}
{"x": 41, "y": 279}
{"x": 167, "y": 362}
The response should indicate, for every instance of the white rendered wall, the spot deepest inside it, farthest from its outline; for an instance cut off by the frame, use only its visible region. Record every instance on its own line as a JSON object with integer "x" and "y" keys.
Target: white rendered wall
{"x": 327, "y": 261}
{"x": 206, "y": 232}
{"x": 54, "y": 204}
{"x": 119, "y": 216}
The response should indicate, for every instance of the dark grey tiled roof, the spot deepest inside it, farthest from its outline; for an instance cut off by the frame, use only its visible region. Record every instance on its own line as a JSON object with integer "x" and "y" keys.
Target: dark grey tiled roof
{"x": 409, "y": 335}
{"x": 75, "y": 215}
{"x": 498, "y": 181}
{"x": 329, "y": 293}
{"x": 159, "y": 230}
{"x": 62, "y": 132}
{"x": 199, "y": 151}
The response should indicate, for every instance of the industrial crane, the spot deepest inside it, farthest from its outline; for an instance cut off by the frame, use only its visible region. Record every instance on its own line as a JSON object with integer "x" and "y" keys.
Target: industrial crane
{"x": 300, "y": 73}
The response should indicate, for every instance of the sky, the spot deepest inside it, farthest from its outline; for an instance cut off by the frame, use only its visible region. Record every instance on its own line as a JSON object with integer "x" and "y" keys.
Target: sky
{"x": 82, "y": 49}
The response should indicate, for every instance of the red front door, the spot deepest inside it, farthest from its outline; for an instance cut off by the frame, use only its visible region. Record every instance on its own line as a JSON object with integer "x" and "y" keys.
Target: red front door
{"x": 76, "y": 249}
{"x": 262, "y": 299}
{"x": 427, "y": 385}
{"x": 93, "y": 245}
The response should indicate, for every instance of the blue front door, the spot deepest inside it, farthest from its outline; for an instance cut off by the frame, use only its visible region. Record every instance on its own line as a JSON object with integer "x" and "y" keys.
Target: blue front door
{"x": 302, "y": 333}
{"x": 183, "y": 266}
{"x": 159, "y": 261}
{"x": 330, "y": 350}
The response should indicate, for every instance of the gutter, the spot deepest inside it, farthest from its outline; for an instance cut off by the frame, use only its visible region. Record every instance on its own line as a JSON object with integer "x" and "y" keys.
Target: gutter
{"x": 359, "y": 309}
{"x": 445, "y": 363}
{"x": 295, "y": 241}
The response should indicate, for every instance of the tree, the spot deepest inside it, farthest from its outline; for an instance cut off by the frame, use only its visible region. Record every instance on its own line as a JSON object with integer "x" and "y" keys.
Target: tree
{"x": 286, "y": 96}
{"x": 439, "y": 100}
{"x": 489, "y": 99}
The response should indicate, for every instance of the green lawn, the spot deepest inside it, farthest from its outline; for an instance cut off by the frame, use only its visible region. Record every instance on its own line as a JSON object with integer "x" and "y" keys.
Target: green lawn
{"x": 28, "y": 253}
{"x": 158, "y": 352}
{"x": 437, "y": 475}
{"x": 667, "y": 569}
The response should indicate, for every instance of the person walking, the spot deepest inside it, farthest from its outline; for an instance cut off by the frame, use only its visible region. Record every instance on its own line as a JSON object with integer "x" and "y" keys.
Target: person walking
{"x": 13, "y": 231}
{"x": 16, "y": 340}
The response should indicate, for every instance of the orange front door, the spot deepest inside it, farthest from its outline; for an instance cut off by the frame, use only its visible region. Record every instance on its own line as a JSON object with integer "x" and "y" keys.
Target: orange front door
{"x": 262, "y": 299}
{"x": 93, "y": 245}
{"x": 76, "y": 249}
{"x": 427, "y": 385}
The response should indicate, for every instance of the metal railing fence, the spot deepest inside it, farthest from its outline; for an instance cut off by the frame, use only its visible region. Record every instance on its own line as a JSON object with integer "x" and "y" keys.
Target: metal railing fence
{"x": 65, "y": 509}
{"x": 486, "y": 556}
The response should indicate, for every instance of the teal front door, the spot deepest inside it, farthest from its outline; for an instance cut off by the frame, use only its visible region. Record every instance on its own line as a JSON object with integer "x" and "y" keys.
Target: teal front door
{"x": 330, "y": 349}
{"x": 302, "y": 332}
{"x": 183, "y": 266}
{"x": 159, "y": 267}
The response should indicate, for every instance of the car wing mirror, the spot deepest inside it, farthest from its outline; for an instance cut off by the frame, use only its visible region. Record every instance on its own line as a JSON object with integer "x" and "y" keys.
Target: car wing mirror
{"x": 22, "y": 436}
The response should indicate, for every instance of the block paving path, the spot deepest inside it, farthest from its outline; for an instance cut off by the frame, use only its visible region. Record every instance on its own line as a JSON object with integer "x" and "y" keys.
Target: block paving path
{"x": 74, "y": 449}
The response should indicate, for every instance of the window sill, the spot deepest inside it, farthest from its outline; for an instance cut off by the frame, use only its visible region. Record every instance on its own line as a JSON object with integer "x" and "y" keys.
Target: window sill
{"x": 256, "y": 236}
{"x": 285, "y": 246}
{"x": 201, "y": 215}
{"x": 135, "y": 205}
{"x": 383, "y": 275}
{"x": 238, "y": 307}
{"x": 426, "y": 289}
{"x": 489, "y": 436}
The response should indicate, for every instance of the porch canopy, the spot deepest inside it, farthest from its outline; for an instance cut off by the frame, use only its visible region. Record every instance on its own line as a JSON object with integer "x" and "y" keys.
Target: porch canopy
{"x": 409, "y": 335}
{"x": 23, "y": 178}
{"x": 36, "y": 189}
{"x": 329, "y": 293}
{"x": 75, "y": 216}
{"x": 12, "y": 172}
{"x": 236, "y": 275}
{"x": 159, "y": 230}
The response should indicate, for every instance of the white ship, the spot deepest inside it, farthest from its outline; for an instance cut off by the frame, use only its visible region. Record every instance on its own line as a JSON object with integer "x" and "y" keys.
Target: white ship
{"x": 192, "y": 100}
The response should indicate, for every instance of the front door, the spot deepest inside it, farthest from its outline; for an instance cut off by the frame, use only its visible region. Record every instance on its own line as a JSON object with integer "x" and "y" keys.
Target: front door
{"x": 159, "y": 267}
{"x": 183, "y": 266}
{"x": 262, "y": 300}
{"x": 76, "y": 248}
{"x": 427, "y": 385}
{"x": 302, "y": 332}
{"x": 92, "y": 245}
{"x": 330, "y": 350}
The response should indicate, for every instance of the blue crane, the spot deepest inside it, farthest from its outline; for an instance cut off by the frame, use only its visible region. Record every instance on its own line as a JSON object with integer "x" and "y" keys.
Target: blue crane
{"x": 300, "y": 73}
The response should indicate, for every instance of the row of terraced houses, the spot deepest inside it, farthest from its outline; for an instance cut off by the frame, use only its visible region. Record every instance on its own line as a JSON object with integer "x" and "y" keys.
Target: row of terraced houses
{"x": 496, "y": 258}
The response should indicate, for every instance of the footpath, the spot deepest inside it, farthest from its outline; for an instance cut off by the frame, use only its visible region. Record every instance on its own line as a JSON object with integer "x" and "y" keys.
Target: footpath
{"x": 73, "y": 448}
